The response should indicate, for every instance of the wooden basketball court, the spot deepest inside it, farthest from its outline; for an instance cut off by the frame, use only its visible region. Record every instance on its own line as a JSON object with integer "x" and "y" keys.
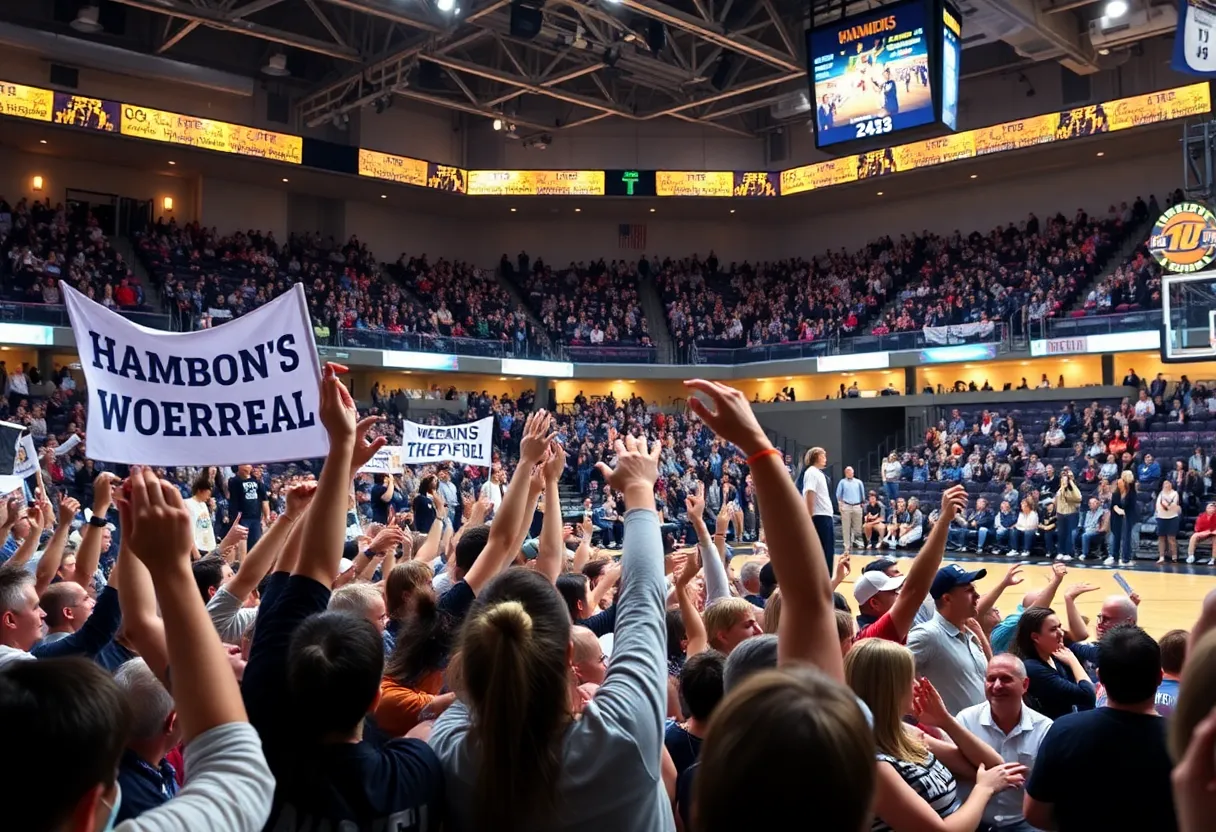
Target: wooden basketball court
{"x": 1170, "y": 596}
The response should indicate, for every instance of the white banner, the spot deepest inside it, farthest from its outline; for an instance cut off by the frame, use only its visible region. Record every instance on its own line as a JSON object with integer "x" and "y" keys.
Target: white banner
{"x": 245, "y": 392}
{"x": 386, "y": 461}
{"x": 468, "y": 443}
{"x": 958, "y": 333}
{"x": 26, "y": 462}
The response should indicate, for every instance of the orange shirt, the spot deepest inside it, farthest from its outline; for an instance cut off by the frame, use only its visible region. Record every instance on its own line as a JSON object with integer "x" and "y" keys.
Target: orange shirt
{"x": 399, "y": 707}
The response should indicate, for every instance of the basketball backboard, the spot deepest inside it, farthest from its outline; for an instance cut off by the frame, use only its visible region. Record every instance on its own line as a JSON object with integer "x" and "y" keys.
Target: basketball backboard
{"x": 1188, "y": 307}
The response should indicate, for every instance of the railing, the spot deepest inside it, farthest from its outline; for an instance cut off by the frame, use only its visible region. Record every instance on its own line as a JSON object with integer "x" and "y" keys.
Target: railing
{"x": 46, "y": 314}
{"x": 1141, "y": 319}
{"x": 615, "y": 354}
{"x": 893, "y": 342}
{"x": 446, "y": 344}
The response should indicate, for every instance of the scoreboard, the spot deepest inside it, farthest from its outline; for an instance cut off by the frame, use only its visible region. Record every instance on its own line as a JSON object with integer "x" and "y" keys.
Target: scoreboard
{"x": 884, "y": 72}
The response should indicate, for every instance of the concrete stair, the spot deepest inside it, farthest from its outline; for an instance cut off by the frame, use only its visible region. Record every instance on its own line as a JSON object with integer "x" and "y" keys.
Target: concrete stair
{"x": 656, "y": 320}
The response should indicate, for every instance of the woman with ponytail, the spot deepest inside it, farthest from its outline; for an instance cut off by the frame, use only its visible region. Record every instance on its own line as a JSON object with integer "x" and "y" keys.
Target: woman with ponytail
{"x": 514, "y": 756}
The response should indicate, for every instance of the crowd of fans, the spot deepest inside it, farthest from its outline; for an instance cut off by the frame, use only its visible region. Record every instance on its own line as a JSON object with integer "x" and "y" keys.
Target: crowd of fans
{"x": 584, "y": 304}
{"x": 475, "y": 663}
{"x": 1065, "y": 482}
{"x": 41, "y": 244}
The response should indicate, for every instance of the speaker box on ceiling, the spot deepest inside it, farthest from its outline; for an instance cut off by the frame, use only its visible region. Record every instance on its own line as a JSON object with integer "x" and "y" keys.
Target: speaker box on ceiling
{"x": 525, "y": 21}
{"x": 656, "y": 36}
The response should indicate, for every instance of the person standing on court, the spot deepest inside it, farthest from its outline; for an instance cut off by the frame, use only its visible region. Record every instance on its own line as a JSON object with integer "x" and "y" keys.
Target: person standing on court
{"x": 819, "y": 502}
{"x": 250, "y": 501}
{"x": 850, "y": 494}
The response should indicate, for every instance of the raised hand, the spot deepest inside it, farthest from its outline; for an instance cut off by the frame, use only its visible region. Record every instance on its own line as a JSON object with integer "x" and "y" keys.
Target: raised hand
{"x": 635, "y": 473}
{"x": 927, "y": 704}
{"x": 586, "y": 527}
{"x": 299, "y": 495}
{"x": 156, "y": 523}
{"x": 692, "y": 565}
{"x": 235, "y": 535}
{"x": 103, "y": 492}
{"x": 1079, "y": 589}
{"x": 67, "y": 510}
{"x": 730, "y": 415}
{"x": 337, "y": 410}
{"x": 555, "y": 464}
{"x": 387, "y": 540}
{"x": 695, "y": 502}
{"x": 954, "y": 500}
{"x": 365, "y": 449}
{"x": 843, "y": 568}
{"x": 536, "y": 438}
{"x": 1013, "y": 576}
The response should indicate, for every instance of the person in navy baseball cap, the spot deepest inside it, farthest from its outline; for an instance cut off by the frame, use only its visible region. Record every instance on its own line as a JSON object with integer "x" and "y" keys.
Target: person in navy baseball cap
{"x": 949, "y": 577}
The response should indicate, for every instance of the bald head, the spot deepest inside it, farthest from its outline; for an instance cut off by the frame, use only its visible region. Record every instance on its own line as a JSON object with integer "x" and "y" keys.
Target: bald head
{"x": 1116, "y": 610}
{"x": 589, "y": 662}
{"x": 586, "y": 645}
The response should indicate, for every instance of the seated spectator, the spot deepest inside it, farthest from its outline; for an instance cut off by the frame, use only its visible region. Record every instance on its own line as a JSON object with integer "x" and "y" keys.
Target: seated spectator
{"x": 1058, "y": 683}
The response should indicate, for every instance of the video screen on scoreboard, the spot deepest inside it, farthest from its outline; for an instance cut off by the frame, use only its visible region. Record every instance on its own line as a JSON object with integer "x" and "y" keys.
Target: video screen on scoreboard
{"x": 871, "y": 74}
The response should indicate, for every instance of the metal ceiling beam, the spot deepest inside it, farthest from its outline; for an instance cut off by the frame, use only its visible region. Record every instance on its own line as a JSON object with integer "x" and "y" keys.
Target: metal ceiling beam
{"x": 714, "y": 33}
{"x": 524, "y": 84}
{"x": 224, "y": 21}
{"x": 552, "y": 82}
{"x": 191, "y": 25}
{"x": 389, "y": 12}
{"x": 439, "y": 101}
{"x": 724, "y": 128}
{"x": 745, "y": 107}
{"x": 746, "y": 88}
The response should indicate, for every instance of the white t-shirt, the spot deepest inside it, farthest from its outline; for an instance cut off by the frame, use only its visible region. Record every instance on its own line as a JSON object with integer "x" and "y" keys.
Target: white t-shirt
{"x": 814, "y": 481}
{"x": 204, "y": 529}
{"x": 494, "y": 490}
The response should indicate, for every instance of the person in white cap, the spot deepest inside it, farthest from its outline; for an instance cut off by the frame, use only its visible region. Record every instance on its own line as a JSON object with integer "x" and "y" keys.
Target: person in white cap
{"x": 889, "y": 604}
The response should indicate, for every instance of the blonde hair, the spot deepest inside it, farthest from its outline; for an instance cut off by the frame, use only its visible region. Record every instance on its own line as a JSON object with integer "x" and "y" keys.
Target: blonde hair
{"x": 814, "y": 455}
{"x": 772, "y": 612}
{"x": 1128, "y": 480}
{"x": 769, "y": 726}
{"x": 1196, "y": 694}
{"x": 880, "y": 672}
{"x": 723, "y": 614}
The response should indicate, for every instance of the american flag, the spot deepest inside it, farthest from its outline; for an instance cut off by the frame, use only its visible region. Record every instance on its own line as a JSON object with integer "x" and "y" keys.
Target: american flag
{"x": 632, "y": 236}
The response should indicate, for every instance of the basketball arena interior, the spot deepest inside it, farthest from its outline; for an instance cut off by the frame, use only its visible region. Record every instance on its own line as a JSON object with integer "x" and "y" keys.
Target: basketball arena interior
{"x": 934, "y": 243}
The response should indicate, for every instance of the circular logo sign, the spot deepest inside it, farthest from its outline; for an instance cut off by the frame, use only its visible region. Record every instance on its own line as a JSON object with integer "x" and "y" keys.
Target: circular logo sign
{"x": 1184, "y": 239}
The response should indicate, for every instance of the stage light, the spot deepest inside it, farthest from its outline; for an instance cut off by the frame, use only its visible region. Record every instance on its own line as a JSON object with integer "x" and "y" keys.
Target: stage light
{"x": 445, "y": 5}
{"x": 1115, "y": 8}
{"x": 497, "y": 124}
{"x": 37, "y": 183}
{"x": 167, "y": 203}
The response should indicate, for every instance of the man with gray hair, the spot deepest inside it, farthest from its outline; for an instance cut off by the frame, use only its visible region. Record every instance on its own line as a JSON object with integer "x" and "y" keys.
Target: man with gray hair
{"x": 146, "y": 778}
{"x": 361, "y": 601}
{"x": 749, "y": 577}
{"x": 1012, "y": 730}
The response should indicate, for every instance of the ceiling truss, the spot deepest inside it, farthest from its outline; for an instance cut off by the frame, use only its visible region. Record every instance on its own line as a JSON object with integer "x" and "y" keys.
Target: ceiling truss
{"x": 592, "y": 59}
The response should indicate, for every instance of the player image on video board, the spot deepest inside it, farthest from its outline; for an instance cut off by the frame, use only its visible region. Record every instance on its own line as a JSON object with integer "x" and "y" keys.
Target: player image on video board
{"x": 871, "y": 74}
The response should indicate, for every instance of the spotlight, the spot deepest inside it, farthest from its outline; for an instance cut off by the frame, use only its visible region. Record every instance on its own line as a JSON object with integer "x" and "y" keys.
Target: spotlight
{"x": 445, "y": 5}
{"x": 1115, "y": 8}
{"x": 497, "y": 124}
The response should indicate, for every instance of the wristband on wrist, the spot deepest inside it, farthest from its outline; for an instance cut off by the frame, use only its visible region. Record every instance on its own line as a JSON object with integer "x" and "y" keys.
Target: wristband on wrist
{"x": 98, "y": 521}
{"x": 758, "y": 455}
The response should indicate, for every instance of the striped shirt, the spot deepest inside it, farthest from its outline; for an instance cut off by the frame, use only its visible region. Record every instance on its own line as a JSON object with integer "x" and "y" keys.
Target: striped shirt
{"x": 932, "y": 781}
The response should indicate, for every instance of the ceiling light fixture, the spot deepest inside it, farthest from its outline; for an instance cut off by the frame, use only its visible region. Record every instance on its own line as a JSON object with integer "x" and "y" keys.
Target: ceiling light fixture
{"x": 172, "y": 162}
{"x": 497, "y": 124}
{"x": 384, "y": 196}
{"x": 1115, "y": 8}
{"x": 974, "y": 175}
{"x": 512, "y": 210}
{"x": 1101, "y": 152}
{"x": 445, "y": 5}
{"x": 284, "y": 178}
{"x": 652, "y": 210}
{"x": 42, "y": 141}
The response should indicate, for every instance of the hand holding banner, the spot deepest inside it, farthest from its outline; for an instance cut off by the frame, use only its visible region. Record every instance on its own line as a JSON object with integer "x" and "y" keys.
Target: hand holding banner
{"x": 386, "y": 461}
{"x": 222, "y": 396}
